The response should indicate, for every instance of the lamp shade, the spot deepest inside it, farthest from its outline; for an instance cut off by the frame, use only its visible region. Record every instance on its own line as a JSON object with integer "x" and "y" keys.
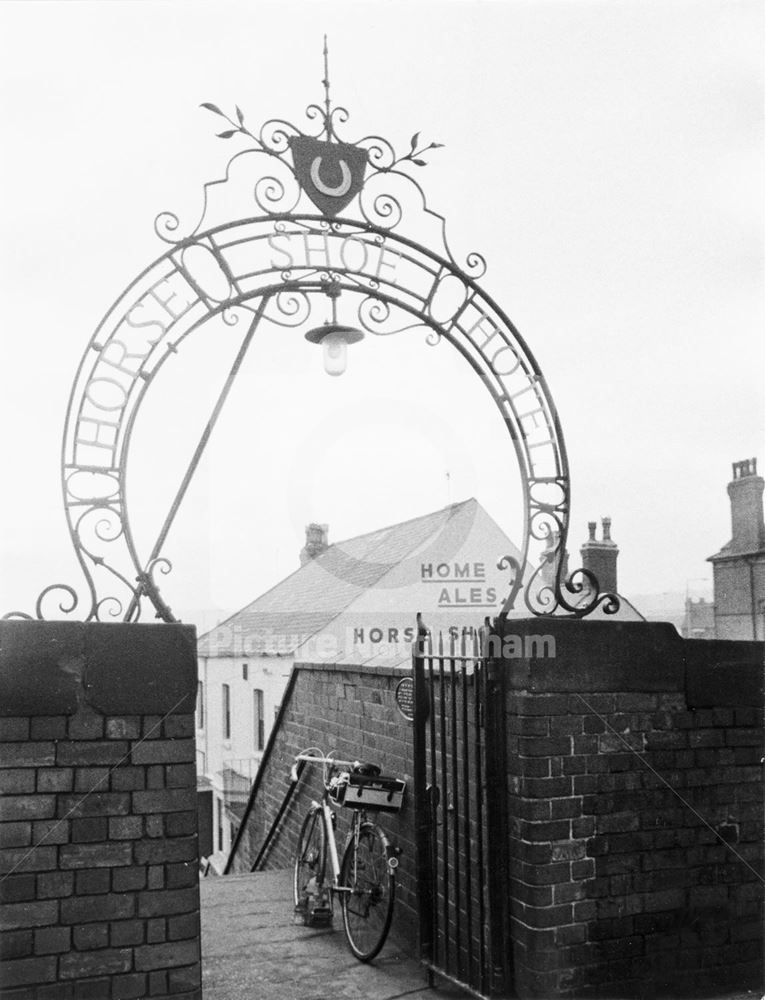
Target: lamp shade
{"x": 334, "y": 339}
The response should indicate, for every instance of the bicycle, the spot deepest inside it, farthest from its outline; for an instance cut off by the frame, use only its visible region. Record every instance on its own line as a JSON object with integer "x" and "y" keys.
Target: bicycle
{"x": 365, "y": 881}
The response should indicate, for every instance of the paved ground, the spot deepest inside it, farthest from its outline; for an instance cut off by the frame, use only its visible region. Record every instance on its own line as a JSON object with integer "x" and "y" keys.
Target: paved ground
{"x": 253, "y": 950}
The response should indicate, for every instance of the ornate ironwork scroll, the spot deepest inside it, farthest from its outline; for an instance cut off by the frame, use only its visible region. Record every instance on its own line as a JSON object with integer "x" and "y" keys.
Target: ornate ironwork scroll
{"x": 295, "y": 214}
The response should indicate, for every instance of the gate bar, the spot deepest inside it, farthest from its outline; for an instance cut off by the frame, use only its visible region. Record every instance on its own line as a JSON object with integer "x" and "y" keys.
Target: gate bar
{"x": 444, "y": 805}
{"x": 422, "y": 805}
{"x": 455, "y": 810}
{"x": 478, "y": 701}
{"x": 435, "y": 796}
{"x": 466, "y": 815}
{"x": 496, "y": 823}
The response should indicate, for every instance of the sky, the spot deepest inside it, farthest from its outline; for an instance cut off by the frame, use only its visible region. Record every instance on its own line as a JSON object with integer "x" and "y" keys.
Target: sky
{"x": 606, "y": 158}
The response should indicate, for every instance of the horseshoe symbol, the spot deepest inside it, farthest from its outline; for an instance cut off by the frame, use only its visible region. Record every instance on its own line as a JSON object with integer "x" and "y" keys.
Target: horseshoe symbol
{"x": 333, "y": 192}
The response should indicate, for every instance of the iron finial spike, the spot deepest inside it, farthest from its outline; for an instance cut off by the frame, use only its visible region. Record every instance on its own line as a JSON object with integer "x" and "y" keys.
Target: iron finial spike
{"x": 325, "y": 81}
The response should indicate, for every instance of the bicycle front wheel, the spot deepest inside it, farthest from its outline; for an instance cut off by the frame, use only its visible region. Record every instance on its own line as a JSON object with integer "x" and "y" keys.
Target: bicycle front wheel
{"x": 310, "y": 860}
{"x": 368, "y": 907}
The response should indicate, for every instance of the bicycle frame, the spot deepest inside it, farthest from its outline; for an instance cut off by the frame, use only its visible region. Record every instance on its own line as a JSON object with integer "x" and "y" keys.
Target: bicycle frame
{"x": 329, "y": 829}
{"x": 327, "y": 817}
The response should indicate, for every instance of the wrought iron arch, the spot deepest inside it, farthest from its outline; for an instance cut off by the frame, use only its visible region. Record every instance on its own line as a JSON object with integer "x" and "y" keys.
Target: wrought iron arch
{"x": 276, "y": 265}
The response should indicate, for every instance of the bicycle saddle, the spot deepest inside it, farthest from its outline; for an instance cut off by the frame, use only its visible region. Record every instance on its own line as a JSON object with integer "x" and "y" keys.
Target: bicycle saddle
{"x": 366, "y": 770}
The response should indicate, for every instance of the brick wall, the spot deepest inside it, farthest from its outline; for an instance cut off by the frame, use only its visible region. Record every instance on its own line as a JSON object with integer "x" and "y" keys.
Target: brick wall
{"x": 634, "y": 804}
{"x": 636, "y": 813}
{"x": 98, "y": 833}
{"x": 351, "y": 710}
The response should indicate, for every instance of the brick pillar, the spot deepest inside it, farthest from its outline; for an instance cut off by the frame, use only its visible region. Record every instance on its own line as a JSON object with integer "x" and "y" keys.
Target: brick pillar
{"x": 636, "y": 811}
{"x": 98, "y": 831}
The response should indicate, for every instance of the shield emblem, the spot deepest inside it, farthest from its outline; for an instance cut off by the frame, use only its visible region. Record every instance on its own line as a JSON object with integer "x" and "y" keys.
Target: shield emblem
{"x": 330, "y": 173}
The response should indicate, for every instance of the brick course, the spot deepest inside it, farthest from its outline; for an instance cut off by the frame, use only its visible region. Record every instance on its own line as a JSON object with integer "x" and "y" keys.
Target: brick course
{"x": 629, "y": 789}
{"x": 660, "y": 903}
{"x": 78, "y": 826}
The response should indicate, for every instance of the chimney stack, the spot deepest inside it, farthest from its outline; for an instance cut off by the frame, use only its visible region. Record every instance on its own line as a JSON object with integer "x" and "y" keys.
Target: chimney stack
{"x": 316, "y": 542}
{"x": 599, "y": 557}
{"x": 745, "y": 492}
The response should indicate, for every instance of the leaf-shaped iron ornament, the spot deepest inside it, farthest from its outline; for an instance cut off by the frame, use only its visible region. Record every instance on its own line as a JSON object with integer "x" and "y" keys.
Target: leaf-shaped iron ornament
{"x": 237, "y": 127}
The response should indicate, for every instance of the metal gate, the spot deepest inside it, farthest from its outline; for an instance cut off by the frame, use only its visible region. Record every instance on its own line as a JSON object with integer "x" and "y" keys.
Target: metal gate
{"x": 460, "y": 785}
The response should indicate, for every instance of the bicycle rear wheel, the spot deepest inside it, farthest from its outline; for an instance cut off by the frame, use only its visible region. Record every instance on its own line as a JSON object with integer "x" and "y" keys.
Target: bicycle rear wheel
{"x": 310, "y": 861}
{"x": 368, "y": 907}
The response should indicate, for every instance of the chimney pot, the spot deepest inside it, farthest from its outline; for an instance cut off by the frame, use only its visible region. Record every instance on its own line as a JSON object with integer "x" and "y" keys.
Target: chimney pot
{"x": 747, "y": 467}
{"x": 599, "y": 557}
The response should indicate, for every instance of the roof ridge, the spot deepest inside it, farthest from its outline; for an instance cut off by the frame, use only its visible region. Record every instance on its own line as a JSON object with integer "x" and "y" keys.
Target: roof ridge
{"x": 400, "y": 524}
{"x": 389, "y": 567}
{"x": 452, "y": 508}
{"x": 385, "y": 567}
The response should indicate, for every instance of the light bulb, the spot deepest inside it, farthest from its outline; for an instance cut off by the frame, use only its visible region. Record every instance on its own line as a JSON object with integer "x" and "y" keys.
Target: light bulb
{"x": 335, "y": 353}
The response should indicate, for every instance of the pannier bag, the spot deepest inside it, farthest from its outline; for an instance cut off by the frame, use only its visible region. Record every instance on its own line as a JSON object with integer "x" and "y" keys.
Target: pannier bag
{"x": 363, "y": 792}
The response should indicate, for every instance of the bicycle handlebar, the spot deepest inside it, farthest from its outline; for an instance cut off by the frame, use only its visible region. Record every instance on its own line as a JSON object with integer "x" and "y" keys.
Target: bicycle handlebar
{"x": 326, "y": 760}
{"x": 318, "y": 759}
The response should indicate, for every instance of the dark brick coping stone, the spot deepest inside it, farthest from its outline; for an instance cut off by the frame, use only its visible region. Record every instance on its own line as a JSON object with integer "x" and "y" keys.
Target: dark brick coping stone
{"x": 50, "y": 668}
{"x": 638, "y": 656}
{"x": 356, "y": 668}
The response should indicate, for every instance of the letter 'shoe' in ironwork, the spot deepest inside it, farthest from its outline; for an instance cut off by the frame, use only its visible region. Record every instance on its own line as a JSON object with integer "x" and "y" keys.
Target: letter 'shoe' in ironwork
{"x": 314, "y": 212}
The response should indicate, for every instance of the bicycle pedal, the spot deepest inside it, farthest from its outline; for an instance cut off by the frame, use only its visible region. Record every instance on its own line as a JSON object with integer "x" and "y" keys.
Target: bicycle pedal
{"x": 319, "y": 916}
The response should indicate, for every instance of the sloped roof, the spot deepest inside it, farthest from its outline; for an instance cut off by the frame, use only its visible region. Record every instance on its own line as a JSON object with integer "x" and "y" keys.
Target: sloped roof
{"x": 307, "y": 601}
{"x": 730, "y": 551}
{"x": 452, "y": 578}
{"x": 356, "y": 602}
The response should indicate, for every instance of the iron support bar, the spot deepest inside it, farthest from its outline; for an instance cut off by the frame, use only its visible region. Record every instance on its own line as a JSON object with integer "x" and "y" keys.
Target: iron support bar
{"x": 199, "y": 451}
{"x": 278, "y": 818}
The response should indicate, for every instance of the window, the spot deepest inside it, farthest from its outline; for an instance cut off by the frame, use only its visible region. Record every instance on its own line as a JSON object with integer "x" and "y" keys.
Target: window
{"x": 220, "y": 818}
{"x": 226, "y": 712}
{"x": 244, "y": 671}
{"x": 259, "y": 723}
{"x": 200, "y": 705}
